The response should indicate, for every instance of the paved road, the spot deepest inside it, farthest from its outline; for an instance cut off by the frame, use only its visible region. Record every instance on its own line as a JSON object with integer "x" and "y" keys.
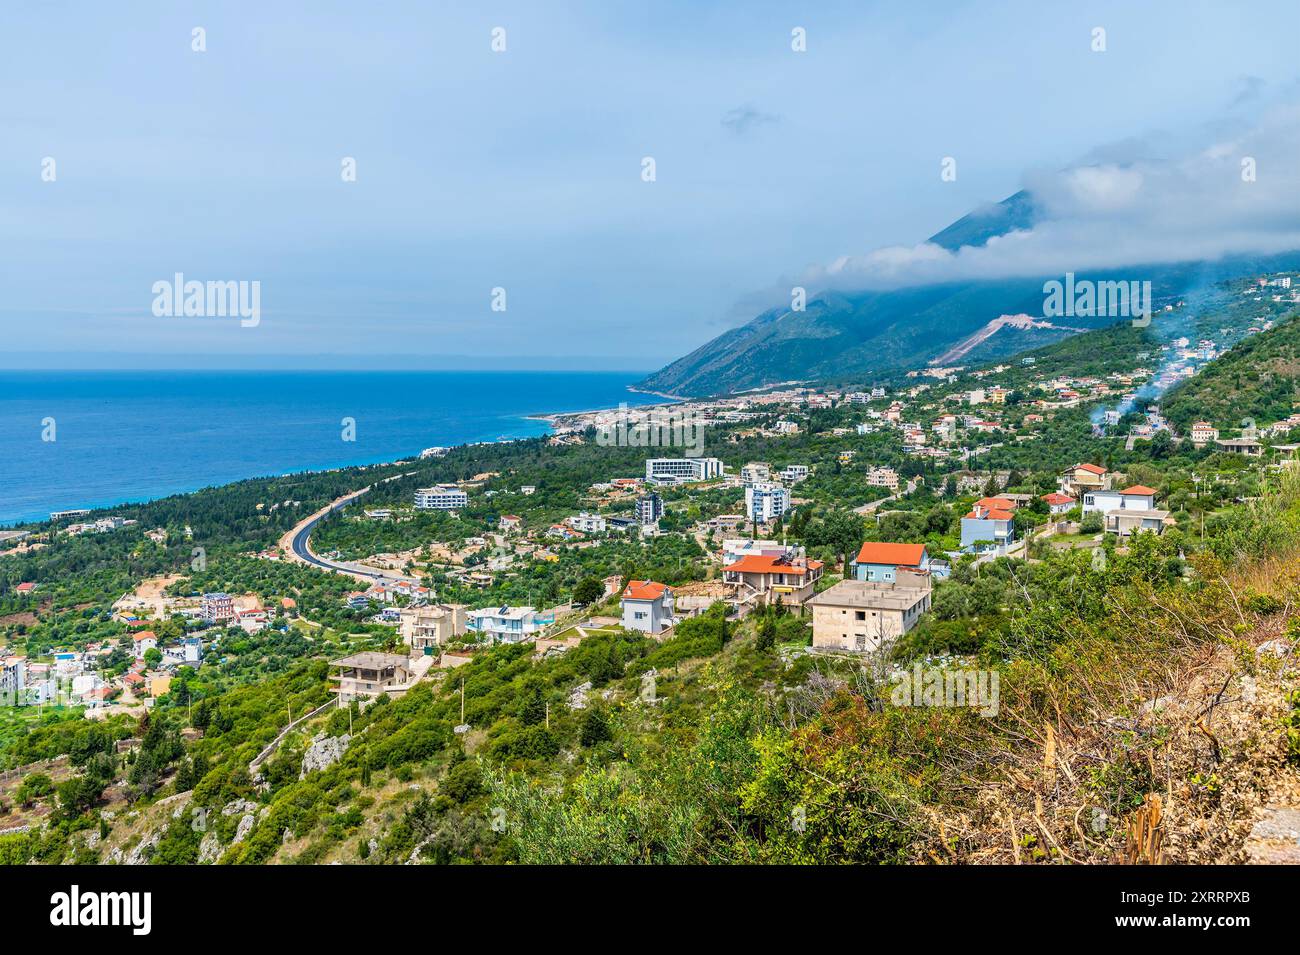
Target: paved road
{"x": 300, "y": 544}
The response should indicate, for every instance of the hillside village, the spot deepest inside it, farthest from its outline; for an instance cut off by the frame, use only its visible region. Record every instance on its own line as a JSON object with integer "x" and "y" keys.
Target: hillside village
{"x": 520, "y": 597}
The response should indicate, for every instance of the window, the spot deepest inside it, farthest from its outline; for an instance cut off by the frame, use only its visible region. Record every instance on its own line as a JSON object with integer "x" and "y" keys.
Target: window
{"x": 861, "y": 615}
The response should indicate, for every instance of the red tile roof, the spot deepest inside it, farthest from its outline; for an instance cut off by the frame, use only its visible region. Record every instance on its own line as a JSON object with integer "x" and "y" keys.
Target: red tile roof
{"x": 996, "y": 503}
{"x": 25, "y": 588}
{"x": 1088, "y": 467}
{"x": 643, "y": 590}
{"x": 990, "y": 514}
{"x": 1141, "y": 489}
{"x": 1055, "y": 499}
{"x": 902, "y": 555}
{"x": 767, "y": 564}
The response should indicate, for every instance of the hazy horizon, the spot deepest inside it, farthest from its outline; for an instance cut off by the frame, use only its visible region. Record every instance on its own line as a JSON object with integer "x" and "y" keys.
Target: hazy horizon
{"x": 133, "y": 156}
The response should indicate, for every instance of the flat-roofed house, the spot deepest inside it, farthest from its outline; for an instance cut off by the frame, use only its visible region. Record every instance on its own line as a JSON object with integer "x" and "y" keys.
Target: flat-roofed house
{"x": 880, "y": 562}
{"x": 217, "y": 608}
{"x": 1203, "y": 433}
{"x": 13, "y": 679}
{"x": 426, "y": 628}
{"x": 862, "y": 616}
{"x": 508, "y": 624}
{"x": 1247, "y": 446}
{"x": 371, "y": 674}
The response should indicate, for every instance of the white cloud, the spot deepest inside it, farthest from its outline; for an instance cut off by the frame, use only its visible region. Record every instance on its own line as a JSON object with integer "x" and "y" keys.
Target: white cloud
{"x": 1190, "y": 205}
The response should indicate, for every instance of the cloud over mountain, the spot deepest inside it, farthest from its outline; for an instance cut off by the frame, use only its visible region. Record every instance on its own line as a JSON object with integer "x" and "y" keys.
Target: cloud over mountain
{"x": 1219, "y": 193}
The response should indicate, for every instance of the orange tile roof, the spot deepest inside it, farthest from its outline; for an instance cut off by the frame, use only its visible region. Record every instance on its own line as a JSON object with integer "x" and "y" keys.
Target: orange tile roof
{"x": 996, "y": 503}
{"x": 903, "y": 555}
{"x": 643, "y": 590}
{"x": 1089, "y": 467}
{"x": 990, "y": 514}
{"x": 1140, "y": 489}
{"x": 768, "y": 564}
{"x": 1057, "y": 498}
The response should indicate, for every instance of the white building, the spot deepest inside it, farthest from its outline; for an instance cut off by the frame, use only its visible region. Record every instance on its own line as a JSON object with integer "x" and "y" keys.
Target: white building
{"x": 507, "y": 624}
{"x": 682, "y": 470}
{"x": 1203, "y": 433}
{"x": 443, "y": 497}
{"x": 587, "y": 523}
{"x": 647, "y": 606}
{"x": 766, "y": 502}
{"x": 188, "y": 653}
{"x": 736, "y": 548}
{"x": 794, "y": 473}
{"x": 427, "y": 627}
{"x": 883, "y": 477}
{"x": 755, "y": 473}
{"x": 13, "y": 678}
{"x": 85, "y": 684}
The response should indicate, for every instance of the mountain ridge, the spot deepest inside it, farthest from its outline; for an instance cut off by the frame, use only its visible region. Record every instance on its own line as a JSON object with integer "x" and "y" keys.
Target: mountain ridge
{"x": 842, "y": 334}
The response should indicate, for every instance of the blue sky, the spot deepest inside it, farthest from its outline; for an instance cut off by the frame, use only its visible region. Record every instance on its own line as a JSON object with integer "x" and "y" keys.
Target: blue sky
{"x": 522, "y": 169}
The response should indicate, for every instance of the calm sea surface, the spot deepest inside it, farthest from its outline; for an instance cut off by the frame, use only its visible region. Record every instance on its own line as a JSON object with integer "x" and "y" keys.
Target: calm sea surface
{"x": 132, "y": 436}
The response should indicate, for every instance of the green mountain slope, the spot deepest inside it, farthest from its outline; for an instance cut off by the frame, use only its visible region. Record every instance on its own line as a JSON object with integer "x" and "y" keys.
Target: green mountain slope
{"x": 1257, "y": 379}
{"x": 868, "y": 334}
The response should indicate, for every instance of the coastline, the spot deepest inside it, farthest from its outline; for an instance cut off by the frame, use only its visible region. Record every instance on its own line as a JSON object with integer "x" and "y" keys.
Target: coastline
{"x": 552, "y": 421}
{"x": 556, "y": 419}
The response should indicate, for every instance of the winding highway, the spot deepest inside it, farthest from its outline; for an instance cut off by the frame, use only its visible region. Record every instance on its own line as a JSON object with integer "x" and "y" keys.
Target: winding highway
{"x": 298, "y": 543}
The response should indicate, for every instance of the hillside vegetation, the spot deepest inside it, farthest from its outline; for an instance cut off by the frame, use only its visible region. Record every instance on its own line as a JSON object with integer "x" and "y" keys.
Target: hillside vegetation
{"x": 1256, "y": 380}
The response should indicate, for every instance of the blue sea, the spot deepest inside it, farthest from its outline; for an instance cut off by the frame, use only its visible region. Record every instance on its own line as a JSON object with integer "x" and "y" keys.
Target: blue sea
{"x": 133, "y": 436}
